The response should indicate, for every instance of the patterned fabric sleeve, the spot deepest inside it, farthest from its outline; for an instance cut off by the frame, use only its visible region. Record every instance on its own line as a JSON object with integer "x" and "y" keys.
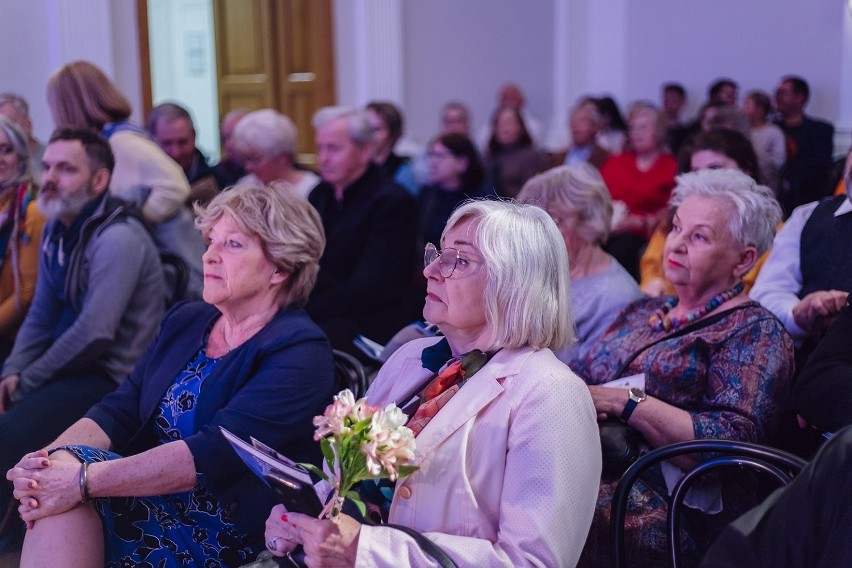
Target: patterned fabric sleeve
{"x": 747, "y": 377}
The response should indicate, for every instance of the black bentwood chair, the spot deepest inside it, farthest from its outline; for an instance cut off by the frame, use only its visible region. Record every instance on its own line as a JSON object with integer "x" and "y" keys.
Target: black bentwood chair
{"x": 775, "y": 464}
{"x": 349, "y": 373}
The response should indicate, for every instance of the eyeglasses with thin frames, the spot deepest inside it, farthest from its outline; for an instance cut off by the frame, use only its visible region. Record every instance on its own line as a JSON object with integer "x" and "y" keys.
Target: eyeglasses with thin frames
{"x": 450, "y": 261}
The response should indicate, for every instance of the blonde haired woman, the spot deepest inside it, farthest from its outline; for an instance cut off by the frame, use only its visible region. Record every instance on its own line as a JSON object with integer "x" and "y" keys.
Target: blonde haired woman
{"x": 80, "y": 95}
{"x": 146, "y": 477}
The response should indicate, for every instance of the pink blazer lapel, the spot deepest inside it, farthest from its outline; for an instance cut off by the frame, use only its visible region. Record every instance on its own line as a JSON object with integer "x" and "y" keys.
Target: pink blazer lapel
{"x": 482, "y": 388}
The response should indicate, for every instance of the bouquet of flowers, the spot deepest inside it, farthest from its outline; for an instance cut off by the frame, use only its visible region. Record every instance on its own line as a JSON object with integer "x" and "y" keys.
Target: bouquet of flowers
{"x": 361, "y": 442}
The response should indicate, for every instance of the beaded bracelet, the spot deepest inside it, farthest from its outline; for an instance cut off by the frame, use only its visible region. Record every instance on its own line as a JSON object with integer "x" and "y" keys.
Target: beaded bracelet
{"x": 84, "y": 483}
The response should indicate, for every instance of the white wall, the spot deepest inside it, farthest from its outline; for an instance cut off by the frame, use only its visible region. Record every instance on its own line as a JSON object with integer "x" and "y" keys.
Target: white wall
{"x": 466, "y": 50}
{"x": 753, "y": 42}
{"x": 560, "y": 49}
{"x": 39, "y": 36}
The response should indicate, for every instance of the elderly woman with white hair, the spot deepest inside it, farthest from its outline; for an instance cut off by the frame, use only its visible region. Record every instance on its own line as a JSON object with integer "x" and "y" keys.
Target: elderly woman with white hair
{"x": 578, "y": 201}
{"x": 706, "y": 363}
{"x": 509, "y": 461}
{"x": 266, "y": 142}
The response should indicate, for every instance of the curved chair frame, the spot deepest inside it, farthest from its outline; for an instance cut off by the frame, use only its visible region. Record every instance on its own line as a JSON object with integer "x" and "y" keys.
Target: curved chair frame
{"x": 350, "y": 373}
{"x": 777, "y": 464}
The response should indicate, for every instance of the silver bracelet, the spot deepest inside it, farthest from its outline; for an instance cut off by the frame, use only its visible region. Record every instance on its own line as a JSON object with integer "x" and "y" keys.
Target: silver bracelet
{"x": 84, "y": 483}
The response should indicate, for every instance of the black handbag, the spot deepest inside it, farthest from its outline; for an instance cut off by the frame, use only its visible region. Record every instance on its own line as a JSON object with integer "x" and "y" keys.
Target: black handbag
{"x": 621, "y": 445}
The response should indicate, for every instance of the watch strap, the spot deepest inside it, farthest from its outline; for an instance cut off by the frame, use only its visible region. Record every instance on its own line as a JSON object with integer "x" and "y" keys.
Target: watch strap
{"x": 631, "y": 405}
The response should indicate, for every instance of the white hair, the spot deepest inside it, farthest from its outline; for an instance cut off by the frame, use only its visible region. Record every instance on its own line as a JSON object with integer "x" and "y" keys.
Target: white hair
{"x": 755, "y": 212}
{"x": 527, "y": 293}
{"x": 356, "y": 122}
{"x": 268, "y": 131}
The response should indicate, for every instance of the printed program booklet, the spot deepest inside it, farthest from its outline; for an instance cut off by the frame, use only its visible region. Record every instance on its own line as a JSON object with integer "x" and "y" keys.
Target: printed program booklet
{"x": 290, "y": 481}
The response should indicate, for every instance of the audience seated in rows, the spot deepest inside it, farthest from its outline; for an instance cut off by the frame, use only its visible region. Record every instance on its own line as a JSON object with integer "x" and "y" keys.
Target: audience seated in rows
{"x": 173, "y": 130}
{"x": 266, "y": 142}
{"x": 577, "y": 200}
{"x": 80, "y": 95}
{"x": 15, "y": 108}
{"x": 21, "y": 224}
{"x": 511, "y": 158}
{"x": 160, "y": 485}
{"x": 707, "y": 363}
{"x": 641, "y": 181}
{"x": 370, "y": 222}
{"x": 366, "y": 280}
{"x": 507, "y": 448}
{"x": 99, "y": 299}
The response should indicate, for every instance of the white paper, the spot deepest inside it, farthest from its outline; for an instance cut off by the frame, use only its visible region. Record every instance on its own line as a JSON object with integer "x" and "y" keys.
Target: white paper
{"x": 633, "y": 381}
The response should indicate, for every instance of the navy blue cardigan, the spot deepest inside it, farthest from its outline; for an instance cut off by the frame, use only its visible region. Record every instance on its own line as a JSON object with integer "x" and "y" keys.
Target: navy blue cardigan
{"x": 270, "y": 387}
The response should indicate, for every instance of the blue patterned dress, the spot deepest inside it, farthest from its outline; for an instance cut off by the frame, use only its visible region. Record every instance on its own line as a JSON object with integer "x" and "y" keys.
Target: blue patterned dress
{"x": 181, "y": 529}
{"x": 730, "y": 376}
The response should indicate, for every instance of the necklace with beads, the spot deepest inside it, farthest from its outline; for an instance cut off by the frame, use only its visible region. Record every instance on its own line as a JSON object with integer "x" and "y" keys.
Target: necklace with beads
{"x": 660, "y": 321}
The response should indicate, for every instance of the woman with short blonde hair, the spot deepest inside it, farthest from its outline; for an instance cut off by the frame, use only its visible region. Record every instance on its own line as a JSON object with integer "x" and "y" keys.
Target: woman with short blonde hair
{"x": 290, "y": 232}
{"x": 149, "y": 463}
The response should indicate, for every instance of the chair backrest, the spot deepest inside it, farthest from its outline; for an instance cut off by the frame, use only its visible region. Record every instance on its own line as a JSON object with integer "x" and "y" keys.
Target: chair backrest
{"x": 176, "y": 276}
{"x": 350, "y": 373}
{"x": 778, "y": 465}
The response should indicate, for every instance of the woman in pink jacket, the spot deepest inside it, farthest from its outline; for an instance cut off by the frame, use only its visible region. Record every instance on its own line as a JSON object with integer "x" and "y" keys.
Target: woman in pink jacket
{"x": 508, "y": 455}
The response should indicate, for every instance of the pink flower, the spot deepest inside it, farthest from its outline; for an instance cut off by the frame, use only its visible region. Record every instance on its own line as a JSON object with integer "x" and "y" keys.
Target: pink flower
{"x": 333, "y": 420}
{"x": 382, "y": 438}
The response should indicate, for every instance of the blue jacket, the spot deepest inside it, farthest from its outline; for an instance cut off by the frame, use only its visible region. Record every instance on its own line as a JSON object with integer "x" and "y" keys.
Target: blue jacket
{"x": 270, "y": 387}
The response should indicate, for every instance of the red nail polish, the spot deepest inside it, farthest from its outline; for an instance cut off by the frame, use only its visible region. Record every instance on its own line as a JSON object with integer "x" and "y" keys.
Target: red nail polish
{"x": 284, "y": 518}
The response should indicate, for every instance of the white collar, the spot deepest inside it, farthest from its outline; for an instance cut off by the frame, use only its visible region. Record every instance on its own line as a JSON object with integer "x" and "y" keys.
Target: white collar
{"x": 845, "y": 207}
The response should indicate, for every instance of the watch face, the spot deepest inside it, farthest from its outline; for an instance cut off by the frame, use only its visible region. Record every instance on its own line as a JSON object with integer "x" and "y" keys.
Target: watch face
{"x": 637, "y": 394}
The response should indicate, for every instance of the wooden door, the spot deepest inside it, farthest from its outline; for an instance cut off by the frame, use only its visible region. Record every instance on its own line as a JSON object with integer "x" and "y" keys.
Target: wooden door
{"x": 276, "y": 54}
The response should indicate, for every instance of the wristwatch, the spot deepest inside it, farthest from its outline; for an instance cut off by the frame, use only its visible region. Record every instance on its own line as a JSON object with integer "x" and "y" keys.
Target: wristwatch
{"x": 636, "y": 395}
